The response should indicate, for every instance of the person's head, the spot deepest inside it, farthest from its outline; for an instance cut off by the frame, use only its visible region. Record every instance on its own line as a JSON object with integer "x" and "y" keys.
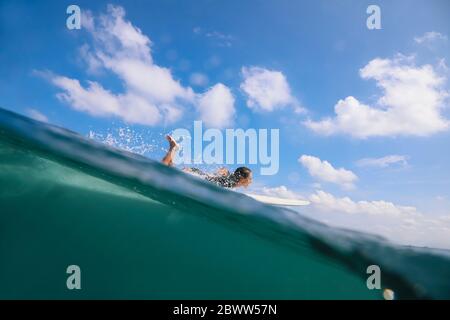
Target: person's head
{"x": 243, "y": 176}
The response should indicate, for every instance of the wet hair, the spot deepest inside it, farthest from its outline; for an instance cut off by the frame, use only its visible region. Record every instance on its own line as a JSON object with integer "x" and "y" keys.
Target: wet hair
{"x": 242, "y": 172}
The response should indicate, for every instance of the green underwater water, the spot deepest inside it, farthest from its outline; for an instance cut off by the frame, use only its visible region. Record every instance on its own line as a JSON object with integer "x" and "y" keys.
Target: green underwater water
{"x": 138, "y": 229}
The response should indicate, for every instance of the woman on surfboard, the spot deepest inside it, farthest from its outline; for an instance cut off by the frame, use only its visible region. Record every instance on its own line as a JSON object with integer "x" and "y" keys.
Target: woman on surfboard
{"x": 241, "y": 177}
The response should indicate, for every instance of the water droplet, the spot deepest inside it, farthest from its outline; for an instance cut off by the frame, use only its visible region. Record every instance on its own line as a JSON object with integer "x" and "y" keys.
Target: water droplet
{"x": 388, "y": 294}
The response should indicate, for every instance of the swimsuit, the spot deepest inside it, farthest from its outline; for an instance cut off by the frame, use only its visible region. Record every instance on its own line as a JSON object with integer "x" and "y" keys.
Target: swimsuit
{"x": 227, "y": 181}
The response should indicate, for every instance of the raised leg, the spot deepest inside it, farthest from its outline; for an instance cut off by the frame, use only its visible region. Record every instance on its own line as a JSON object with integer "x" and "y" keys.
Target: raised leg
{"x": 173, "y": 146}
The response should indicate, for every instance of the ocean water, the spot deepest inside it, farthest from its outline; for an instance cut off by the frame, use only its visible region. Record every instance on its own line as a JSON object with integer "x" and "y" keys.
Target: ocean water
{"x": 138, "y": 229}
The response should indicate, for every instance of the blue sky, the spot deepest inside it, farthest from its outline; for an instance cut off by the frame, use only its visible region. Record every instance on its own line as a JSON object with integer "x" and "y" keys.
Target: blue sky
{"x": 387, "y": 149}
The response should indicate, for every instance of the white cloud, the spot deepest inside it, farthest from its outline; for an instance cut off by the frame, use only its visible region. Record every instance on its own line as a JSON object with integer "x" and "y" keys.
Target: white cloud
{"x": 402, "y": 224}
{"x": 430, "y": 37}
{"x": 94, "y": 65}
{"x": 398, "y": 223}
{"x": 324, "y": 171}
{"x": 328, "y": 202}
{"x": 411, "y": 103}
{"x": 316, "y": 185}
{"x": 97, "y": 101}
{"x": 281, "y": 191}
{"x": 36, "y": 115}
{"x": 267, "y": 90}
{"x": 216, "y": 106}
{"x": 383, "y": 162}
{"x": 198, "y": 79}
{"x": 151, "y": 94}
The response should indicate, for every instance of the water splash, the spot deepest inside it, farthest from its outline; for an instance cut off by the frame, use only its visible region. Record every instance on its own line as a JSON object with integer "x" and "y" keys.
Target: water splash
{"x": 142, "y": 142}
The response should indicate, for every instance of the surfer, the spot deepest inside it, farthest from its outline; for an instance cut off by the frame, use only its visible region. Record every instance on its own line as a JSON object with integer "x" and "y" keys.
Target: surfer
{"x": 241, "y": 177}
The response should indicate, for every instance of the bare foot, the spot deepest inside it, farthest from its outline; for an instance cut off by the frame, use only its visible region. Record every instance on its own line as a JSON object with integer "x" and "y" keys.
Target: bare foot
{"x": 173, "y": 144}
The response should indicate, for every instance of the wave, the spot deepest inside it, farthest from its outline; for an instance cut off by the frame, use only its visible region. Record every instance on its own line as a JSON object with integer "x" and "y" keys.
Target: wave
{"x": 139, "y": 229}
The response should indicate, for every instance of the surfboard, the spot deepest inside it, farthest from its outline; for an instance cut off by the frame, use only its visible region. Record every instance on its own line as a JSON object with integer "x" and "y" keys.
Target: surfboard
{"x": 278, "y": 201}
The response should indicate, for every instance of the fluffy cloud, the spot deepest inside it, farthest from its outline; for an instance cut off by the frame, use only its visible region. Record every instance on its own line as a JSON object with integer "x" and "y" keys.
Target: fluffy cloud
{"x": 383, "y": 162}
{"x": 216, "y": 106}
{"x": 411, "y": 103}
{"x": 267, "y": 90}
{"x": 281, "y": 191}
{"x": 324, "y": 171}
{"x": 151, "y": 94}
{"x": 328, "y": 202}
{"x": 402, "y": 224}
{"x": 97, "y": 101}
{"x": 430, "y": 37}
